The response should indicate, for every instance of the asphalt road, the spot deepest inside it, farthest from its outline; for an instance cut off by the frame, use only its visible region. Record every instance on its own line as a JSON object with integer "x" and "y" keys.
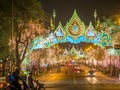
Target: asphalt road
{"x": 78, "y": 81}
{"x": 87, "y": 87}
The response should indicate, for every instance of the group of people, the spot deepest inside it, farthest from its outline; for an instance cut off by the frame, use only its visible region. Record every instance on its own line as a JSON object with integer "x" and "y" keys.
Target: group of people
{"x": 13, "y": 80}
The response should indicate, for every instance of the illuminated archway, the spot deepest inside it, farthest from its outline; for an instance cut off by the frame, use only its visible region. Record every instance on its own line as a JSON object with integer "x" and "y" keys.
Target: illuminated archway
{"x": 75, "y": 31}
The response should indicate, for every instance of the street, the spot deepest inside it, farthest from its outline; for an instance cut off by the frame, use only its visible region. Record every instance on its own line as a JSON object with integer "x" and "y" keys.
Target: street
{"x": 60, "y": 44}
{"x": 71, "y": 80}
{"x": 87, "y": 87}
{"x": 76, "y": 81}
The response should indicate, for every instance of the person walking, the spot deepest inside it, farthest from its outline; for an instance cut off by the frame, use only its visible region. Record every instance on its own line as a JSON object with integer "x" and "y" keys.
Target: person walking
{"x": 16, "y": 79}
{"x": 13, "y": 80}
{"x": 29, "y": 81}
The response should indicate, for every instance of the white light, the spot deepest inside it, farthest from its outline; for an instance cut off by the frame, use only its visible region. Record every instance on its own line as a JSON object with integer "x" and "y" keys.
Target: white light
{"x": 1, "y": 60}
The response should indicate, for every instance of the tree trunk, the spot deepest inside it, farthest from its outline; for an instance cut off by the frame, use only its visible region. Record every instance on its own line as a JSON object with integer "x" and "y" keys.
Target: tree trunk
{"x": 18, "y": 63}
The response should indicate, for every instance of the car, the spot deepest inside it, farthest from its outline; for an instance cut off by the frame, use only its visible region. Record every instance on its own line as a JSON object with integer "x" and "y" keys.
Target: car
{"x": 91, "y": 73}
{"x": 78, "y": 69}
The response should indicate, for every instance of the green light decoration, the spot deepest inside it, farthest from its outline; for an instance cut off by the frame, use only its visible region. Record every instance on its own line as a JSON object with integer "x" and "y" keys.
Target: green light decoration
{"x": 74, "y": 51}
{"x": 106, "y": 39}
{"x": 59, "y": 31}
{"x": 114, "y": 52}
{"x": 90, "y": 32}
{"x": 75, "y": 31}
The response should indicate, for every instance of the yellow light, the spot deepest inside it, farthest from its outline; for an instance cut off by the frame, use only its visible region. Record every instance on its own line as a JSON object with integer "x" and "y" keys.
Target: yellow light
{"x": 118, "y": 21}
{"x": 89, "y": 48}
{"x": 1, "y": 85}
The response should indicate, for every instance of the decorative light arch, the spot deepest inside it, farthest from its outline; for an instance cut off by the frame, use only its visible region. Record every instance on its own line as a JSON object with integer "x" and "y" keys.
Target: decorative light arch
{"x": 75, "y": 31}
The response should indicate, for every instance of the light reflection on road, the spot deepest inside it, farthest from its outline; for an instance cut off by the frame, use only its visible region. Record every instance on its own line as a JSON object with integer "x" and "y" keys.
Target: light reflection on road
{"x": 75, "y": 78}
{"x": 92, "y": 80}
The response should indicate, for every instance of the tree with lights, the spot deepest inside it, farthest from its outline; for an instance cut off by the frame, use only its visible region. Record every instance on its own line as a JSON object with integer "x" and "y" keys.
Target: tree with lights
{"x": 24, "y": 24}
{"x": 110, "y": 25}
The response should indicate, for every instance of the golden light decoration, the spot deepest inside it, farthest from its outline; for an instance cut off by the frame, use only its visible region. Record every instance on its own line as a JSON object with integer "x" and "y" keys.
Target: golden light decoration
{"x": 118, "y": 21}
{"x": 79, "y": 28}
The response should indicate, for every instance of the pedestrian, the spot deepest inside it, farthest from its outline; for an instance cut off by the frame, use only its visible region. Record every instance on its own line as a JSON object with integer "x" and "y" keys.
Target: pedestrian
{"x": 13, "y": 80}
{"x": 8, "y": 77}
{"x": 29, "y": 81}
{"x": 10, "y": 80}
{"x": 16, "y": 79}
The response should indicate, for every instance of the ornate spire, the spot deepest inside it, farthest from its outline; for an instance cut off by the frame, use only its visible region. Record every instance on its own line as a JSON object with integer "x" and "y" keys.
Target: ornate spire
{"x": 54, "y": 13}
{"x": 54, "y": 16}
{"x": 95, "y": 15}
{"x": 97, "y": 24}
{"x": 75, "y": 16}
{"x": 52, "y": 27}
{"x": 59, "y": 31}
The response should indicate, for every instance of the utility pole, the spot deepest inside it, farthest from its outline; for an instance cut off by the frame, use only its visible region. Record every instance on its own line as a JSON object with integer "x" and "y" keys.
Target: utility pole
{"x": 12, "y": 27}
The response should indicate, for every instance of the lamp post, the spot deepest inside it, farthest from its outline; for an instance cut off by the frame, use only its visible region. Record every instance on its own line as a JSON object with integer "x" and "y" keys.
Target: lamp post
{"x": 12, "y": 28}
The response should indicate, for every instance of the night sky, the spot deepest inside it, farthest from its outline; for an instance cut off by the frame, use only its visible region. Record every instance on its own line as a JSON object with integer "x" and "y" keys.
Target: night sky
{"x": 85, "y": 9}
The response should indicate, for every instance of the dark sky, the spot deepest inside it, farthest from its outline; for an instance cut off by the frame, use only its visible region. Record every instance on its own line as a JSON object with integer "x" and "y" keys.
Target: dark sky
{"x": 85, "y": 9}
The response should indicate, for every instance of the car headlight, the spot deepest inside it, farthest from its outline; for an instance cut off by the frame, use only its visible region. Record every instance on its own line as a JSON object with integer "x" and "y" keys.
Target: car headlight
{"x": 88, "y": 74}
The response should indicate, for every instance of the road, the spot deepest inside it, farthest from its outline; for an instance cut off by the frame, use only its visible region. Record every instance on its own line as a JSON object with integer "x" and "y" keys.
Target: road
{"x": 63, "y": 79}
{"x": 87, "y": 87}
{"x": 76, "y": 81}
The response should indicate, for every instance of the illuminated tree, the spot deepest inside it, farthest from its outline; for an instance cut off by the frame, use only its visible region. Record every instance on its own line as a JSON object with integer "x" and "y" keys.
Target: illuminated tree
{"x": 36, "y": 59}
{"x": 23, "y": 21}
{"x": 116, "y": 38}
{"x": 117, "y": 18}
{"x": 110, "y": 25}
{"x": 58, "y": 51}
{"x": 26, "y": 33}
{"x": 95, "y": 55}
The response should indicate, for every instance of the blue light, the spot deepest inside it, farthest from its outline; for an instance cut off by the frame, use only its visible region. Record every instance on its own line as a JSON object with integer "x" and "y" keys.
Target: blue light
{"x": 75, "y": 28}
{"x": 59, "y": 32}
{"x": 78, "y": 40}
{"x": 90, "y": 33}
